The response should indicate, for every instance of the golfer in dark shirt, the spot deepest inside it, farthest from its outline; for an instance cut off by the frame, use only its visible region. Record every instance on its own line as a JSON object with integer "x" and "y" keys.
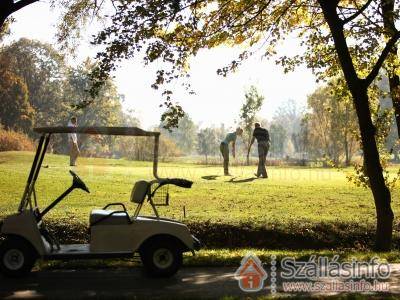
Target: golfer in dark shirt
{"x": 262, "y": 136}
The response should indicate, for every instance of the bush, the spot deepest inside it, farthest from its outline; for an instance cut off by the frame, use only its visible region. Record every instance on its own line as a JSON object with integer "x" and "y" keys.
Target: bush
{"x": 15, "y": 141}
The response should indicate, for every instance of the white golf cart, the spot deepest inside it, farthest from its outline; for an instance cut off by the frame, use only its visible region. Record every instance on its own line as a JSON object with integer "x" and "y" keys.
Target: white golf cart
{"x": 113, "y": 233}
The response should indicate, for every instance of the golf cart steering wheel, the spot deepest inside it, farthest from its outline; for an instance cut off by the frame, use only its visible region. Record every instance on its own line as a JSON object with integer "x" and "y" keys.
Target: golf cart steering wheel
{"x": 78, "y": 183}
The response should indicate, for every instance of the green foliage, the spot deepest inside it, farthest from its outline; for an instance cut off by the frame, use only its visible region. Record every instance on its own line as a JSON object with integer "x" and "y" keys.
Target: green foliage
{"x": 184, "y": 135}
{"x": 323, "y": 25}
{"x": 41, "y": 68}
{"x": 170, "y": 118}
{"x": 332, "y": 124}
{"x": 383, "y": 122}
{"x": 172, "y": 32}
{"x": 15, "y": 109}
{"x": 105, "y": 111}
{"x": 37, "y": 87}
{"x": 75, "y": 14}
{"x": 5, "y": 30}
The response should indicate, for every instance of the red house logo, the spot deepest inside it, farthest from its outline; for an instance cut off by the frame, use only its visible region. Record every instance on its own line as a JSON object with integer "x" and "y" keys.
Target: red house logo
{"x": 251, "y": 274}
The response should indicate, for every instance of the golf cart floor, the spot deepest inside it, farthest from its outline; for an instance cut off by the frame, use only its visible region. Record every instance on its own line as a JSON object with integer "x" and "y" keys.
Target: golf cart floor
{"x": 82, "y": 251}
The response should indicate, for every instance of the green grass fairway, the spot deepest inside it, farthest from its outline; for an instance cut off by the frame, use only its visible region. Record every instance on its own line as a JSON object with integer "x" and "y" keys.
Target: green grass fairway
{"x": 291, "y": 196}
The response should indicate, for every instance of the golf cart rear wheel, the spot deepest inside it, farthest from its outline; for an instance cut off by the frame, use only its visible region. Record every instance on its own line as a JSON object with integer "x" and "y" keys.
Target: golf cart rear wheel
{"x": 17, "y": 257}
{"x": 161, "y": 257}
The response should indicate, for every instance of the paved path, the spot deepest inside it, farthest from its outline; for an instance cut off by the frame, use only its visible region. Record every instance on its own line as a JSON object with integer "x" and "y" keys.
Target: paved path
{"x": 131, "y": 283}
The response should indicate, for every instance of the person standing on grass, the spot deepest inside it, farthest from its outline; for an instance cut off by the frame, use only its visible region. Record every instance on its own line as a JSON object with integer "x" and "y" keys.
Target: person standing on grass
{"x": 224, "y": 147}
{"x": 73, "y": 143}
{"x": 262, "y": 136}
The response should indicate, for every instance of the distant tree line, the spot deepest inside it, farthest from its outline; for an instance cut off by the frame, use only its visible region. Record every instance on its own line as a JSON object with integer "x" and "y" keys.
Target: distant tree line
{"x": 38, "y": 88}
{"x": 324, "y": 131}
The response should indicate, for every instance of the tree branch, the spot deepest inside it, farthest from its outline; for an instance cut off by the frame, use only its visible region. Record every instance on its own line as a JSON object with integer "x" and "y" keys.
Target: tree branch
{"x": 9, "y": 7}
{"x": 356, "y": 14}
{"x": 375, "y": 70}
{"x": 21, "y": 4}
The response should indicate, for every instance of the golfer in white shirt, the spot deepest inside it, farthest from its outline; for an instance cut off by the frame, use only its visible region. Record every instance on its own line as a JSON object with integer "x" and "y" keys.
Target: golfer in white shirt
{"x": 73, "y": 143}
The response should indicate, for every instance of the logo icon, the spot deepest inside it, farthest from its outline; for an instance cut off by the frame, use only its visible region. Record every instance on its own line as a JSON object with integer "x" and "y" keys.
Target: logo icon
{"x": 251, "y": 274}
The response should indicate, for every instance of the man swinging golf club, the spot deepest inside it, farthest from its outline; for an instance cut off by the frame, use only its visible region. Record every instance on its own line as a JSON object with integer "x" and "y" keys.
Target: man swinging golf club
{"x": 224, "y": 147}
{"x": 262, "y": 136}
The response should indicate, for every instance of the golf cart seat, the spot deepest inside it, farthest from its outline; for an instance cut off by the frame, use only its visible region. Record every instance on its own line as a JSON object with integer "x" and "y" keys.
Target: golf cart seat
{"x": 108, "y": 217}
{"x": 120, "y": 217}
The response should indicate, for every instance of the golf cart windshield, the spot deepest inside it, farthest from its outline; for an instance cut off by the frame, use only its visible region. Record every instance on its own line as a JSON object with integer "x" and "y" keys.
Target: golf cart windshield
{"x": 46, "y": 133}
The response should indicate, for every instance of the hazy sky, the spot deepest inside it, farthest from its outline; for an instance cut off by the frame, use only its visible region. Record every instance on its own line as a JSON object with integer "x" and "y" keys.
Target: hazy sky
{"x": 217, "y": 99}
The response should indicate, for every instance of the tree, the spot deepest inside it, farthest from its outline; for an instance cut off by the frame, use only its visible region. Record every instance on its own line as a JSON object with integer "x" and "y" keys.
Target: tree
{"x": 184, "y": 135}
{"x": 332, "y": 124}
{"x": 15, "y": 110}
{"x": 278, "y": 137}
{"x": 144, "y": 26}
{"x": 42, "y": 70}
{"x": 289, "y": 115}
{"x": 373, "y": 23}
{"x": 251, "y": 106}
{"x": 38, "y": 87}
{"x": 76, "y": 13}
{"x": 359, "y": 90}
{"x": 107, "y": 111}
{"x": 207, "y": 142}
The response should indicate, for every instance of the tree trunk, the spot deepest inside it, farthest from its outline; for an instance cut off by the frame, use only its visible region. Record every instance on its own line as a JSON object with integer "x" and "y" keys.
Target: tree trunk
{"x": 346, "y": 151}
{"x": 394, "y": 80}
{"x": 3, "y": 18}
{"x": 358, "y": 89}
{"x": 373, "y": 167}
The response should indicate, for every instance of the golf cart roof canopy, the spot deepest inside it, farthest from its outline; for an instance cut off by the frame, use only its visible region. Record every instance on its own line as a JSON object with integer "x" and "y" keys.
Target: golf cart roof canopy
{"x": 128, "y": 131}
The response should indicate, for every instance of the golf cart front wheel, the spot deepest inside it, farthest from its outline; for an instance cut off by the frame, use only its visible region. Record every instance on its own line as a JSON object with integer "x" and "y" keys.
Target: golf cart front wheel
{"x": 17, "y": 257}
{"x": 161, "y": 257}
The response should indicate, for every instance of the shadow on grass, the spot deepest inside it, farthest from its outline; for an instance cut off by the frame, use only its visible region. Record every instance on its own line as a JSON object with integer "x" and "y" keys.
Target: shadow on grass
{"x": 232, "y": 180}
{"x": 210, "y": 177}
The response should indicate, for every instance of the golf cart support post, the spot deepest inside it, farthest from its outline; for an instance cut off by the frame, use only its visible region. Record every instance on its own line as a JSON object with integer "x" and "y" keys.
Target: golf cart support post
{"x": 46, "y": 133}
